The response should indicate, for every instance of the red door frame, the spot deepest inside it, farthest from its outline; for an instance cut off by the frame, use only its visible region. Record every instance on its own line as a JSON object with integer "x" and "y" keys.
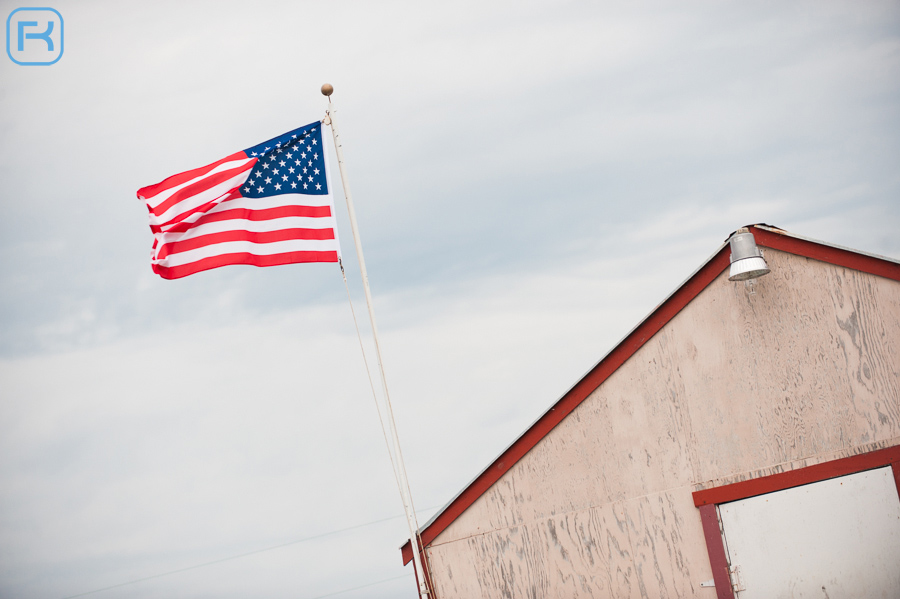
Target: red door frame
{"x": 708, "y": 499}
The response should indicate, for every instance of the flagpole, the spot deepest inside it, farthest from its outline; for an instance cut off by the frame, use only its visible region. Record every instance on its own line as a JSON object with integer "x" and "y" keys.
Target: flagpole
{"x": 400, "y": 470}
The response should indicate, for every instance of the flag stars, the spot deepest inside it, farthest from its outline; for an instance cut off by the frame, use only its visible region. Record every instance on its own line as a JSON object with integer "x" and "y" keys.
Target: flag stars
{"x": 292, "y": 164}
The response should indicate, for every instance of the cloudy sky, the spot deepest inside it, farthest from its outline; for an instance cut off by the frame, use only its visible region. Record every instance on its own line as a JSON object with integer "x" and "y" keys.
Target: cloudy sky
{"x": 531, "y": 179}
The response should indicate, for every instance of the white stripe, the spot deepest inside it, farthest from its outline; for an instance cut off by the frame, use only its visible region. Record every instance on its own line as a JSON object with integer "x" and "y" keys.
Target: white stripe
{"x": 165, "y": 195}
{"x": 258, "y": 249}
{"x": 191, "y": 202}
{"x": 240, "y": 224}
{"x": 275, "y": 201}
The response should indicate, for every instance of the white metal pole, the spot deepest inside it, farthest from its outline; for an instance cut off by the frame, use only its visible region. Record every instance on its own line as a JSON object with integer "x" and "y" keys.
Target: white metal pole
{"x": 400, "y": 471}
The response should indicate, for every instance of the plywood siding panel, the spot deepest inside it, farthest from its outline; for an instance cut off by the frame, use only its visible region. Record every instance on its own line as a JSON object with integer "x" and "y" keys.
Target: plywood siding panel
{"x": 542, "y": 483}
{"x": 868, "y": 321}
{"x": 581, "y": 554}
{"x": 627, "y": 439}
{"x": 650, "y": 427}
{"x": 670, "y": 558}
{"x": 647, "y": 547}
{"x": 780, "y": 373}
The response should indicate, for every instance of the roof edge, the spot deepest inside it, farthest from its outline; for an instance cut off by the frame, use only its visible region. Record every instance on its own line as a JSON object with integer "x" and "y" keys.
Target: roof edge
{"x": 766, "y": 236}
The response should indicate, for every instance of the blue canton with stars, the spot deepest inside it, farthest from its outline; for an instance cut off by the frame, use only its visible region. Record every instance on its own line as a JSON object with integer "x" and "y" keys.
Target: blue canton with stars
{"x": 290, "y": 163}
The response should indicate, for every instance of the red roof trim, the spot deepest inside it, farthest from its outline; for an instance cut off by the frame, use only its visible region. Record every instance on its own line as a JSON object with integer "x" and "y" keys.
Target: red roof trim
{"x": 765, "y": 236}
{"x": 868, "y": 263}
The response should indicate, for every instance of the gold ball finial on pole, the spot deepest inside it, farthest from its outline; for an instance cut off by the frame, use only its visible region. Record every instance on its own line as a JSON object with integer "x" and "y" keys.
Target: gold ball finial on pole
{"x": 327, "y": 89}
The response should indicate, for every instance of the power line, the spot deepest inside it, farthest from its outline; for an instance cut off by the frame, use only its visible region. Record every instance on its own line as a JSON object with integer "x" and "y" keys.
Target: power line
{"x": 363, "y": 586}
{"x": 256, "y": 551}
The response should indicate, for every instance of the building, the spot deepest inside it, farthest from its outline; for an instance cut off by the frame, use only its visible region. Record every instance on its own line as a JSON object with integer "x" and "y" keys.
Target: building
{"x": 742, "y": 441}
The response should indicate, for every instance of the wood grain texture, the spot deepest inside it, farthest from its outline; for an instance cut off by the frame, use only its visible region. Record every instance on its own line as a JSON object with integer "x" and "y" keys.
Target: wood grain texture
{"x": 628, "y": 439}
{"x": 580, "y": 554}
{"x": 650, "y": 546}
{"x": 808, "y": 364}
{"x": 736, "y": 385}
{"x": 666, "y": 535}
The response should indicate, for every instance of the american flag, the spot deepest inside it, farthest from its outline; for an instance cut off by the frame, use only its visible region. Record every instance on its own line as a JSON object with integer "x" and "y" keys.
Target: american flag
{"x": 270, "y": 204}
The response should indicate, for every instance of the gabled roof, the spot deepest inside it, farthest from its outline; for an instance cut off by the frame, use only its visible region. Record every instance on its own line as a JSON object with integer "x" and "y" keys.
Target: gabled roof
{"x": 766, "y": 236}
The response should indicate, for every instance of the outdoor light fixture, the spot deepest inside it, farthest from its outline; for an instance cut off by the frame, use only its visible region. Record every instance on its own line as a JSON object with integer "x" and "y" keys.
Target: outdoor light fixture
{"x": 746, "y": 260}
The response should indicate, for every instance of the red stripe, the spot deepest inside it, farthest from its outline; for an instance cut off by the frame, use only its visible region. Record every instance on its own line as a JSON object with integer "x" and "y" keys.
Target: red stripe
{"x": 176, "y": 247}
{"x": 253, "y": 215}
{"x": 200, "y": 186}
{"x": 176, "y": 272}
{"x": 176, "y": 180}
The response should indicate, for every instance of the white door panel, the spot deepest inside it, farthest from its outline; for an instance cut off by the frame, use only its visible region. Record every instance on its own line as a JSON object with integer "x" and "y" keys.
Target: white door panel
{"x": 833, "y": 539}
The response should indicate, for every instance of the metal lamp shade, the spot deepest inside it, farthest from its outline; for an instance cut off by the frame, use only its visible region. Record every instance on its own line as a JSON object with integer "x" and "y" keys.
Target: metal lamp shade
{"x": 746, "y": 260}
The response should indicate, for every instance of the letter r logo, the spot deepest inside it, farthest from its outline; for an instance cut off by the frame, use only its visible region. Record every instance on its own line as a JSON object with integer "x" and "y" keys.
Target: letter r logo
{"x": 34, "y": 36}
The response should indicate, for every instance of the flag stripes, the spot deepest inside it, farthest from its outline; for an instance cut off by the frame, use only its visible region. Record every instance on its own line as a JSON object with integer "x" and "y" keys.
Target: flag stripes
{"x": 199, "y": 195}
{"x": 246, "y": 209}
{"x": 176, "y": 247}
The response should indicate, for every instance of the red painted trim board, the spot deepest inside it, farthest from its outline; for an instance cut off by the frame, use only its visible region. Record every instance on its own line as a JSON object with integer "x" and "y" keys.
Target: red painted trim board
{"x": 800, "y": 476}
{"x": 718, "y": 561}
{"x": 827, "y": 253}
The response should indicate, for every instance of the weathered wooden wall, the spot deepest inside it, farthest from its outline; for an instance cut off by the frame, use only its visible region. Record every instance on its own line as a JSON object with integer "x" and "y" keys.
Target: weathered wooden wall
{"x": 736, "y": 386}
